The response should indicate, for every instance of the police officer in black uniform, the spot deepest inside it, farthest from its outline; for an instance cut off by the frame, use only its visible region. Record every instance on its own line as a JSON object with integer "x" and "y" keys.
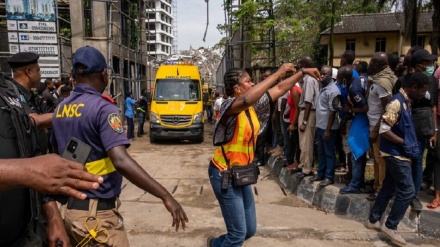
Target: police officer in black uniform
{"x": 20, "y": 117}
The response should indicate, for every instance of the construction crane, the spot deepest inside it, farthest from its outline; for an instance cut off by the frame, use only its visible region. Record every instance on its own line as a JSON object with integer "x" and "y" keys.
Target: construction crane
{"x": 207, "y": 19}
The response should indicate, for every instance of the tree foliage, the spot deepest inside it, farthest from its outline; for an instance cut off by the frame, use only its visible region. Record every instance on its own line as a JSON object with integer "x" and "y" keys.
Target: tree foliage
{"x": 297, "y": 24}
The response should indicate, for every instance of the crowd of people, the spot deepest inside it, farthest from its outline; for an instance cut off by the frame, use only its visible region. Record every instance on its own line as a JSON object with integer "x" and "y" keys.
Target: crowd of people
{"x": 386, "y": 110}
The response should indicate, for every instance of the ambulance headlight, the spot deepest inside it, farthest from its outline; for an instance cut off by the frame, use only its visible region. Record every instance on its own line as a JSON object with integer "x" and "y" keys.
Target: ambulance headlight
{"x": 198, "y": 118}
{"x": 154, "y": 118}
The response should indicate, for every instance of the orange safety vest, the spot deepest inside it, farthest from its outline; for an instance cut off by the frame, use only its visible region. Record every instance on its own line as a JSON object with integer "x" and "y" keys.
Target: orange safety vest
{"x": 240, "y": 150}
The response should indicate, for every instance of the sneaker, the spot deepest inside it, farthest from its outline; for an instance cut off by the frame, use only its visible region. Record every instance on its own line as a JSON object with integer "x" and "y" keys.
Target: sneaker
{"x": 326, "y": 182}
{"x": 394, "y": 235}
{"x": 349, "y": 190}
{"x": 316, "y": 178}
{"x": 374, "y": 226}
{"x": 416, "y": 205}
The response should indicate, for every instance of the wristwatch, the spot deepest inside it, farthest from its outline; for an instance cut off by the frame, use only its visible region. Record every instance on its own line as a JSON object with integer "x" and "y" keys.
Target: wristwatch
{"x": 436, "y": 130}
{"x": 302, "y": 72}
{"x": 305, "y": 122}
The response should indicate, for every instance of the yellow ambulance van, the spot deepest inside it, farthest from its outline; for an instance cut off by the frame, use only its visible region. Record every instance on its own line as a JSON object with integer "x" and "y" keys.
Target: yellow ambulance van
{"x": 176, "y": 103}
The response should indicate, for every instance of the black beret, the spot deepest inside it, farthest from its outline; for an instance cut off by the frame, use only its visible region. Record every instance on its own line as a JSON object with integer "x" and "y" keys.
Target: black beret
{"x": 22, "y": 59}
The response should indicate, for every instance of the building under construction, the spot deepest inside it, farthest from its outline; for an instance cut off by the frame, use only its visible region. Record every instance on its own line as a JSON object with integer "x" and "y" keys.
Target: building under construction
{"x": 131, "y": 34}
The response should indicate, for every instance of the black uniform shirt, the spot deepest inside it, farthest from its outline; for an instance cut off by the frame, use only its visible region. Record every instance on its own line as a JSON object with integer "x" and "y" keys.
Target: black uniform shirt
{"x": 15, "y": 204}
{"x": 34, "y": 104}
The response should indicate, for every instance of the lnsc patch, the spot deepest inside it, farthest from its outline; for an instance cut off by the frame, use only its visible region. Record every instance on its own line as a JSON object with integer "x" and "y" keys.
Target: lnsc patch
{"x": 115, "y": 122}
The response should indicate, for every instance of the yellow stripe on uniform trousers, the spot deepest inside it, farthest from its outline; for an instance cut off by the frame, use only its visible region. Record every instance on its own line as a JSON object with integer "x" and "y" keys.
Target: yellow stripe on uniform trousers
{"x": 100, "y": 167}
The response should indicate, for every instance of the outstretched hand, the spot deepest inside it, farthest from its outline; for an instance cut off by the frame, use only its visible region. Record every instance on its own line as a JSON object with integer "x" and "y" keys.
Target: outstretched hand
{"x": 177, "y": 212}
{"x": 313, "y": 72}
{"x": 286, "y": 68}
{"x": 53, "y": 174}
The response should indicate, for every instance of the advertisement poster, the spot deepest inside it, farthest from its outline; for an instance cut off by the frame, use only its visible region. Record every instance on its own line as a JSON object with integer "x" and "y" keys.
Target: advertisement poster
{"x": 37, "y": 26}
{"x": 31, "y": 10}
{"x": 32, "y": 27}
{"x": 49, "y": 38}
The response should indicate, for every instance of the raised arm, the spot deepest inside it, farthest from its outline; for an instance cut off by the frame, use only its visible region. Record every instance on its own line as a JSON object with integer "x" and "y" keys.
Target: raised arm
{"x": 281, "y": 88}
{"x": 252, "y": 95}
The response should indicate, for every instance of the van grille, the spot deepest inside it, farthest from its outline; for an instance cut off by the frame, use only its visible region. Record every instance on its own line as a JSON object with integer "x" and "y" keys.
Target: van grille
{"x": 175, "y": 120}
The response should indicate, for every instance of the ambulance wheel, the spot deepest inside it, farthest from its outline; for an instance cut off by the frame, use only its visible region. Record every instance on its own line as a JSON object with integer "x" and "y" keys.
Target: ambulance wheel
{"x": 201, "y": 139}
{"x": 152, "y": 139}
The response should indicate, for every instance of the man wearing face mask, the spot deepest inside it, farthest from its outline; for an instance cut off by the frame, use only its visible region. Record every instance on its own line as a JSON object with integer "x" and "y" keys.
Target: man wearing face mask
{"x": 94, "y": 120}
{"x": 423, "y": 61}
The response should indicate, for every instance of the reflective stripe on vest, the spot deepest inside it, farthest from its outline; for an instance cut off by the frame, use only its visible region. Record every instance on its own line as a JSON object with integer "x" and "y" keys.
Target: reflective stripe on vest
{"x": 240, "y": 150}
{"x": 100, "y": 167}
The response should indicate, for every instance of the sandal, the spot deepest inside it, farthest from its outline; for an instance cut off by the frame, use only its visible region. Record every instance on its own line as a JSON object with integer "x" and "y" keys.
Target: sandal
{"x": 434, "y": 204}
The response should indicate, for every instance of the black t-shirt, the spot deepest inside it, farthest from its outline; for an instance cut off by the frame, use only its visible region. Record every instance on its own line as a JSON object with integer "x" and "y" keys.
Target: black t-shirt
{"x": 143, "y": 103}
{"x": 430, "y": 98}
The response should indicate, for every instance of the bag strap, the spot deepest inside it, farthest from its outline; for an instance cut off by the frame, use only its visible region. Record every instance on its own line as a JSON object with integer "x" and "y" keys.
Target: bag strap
{"x": 248, "y": 115}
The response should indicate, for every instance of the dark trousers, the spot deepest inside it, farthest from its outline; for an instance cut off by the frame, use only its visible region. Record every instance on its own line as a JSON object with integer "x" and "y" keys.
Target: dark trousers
{"x": 287, "y": 140}
{"x": 398, "y": 181}
{"x": 326, "y": 154}
{"x": 141, "y": 120}
{"x": 431, "y": 173}
{"x": 277, "y": 135}
{"x": 130, "y": 128}
{"x": 417, "y": 167}
{"x": 260, "y": 156}
{"x": 208, "y": 109}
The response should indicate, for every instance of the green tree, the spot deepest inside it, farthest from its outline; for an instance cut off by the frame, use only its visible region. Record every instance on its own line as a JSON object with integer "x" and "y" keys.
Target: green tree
{"x": 296, "y": 25}
{"x": 435, "y": 37}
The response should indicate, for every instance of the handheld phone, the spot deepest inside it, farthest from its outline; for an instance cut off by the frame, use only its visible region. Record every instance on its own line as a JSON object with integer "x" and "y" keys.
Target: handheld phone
{"x": 225, "y": 180}
{"x": 77, "y": 151}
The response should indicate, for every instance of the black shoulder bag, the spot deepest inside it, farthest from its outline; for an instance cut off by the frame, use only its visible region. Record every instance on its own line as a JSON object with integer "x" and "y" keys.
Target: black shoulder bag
{"x": 244, "y": 175}
{"x": 423, "y": 122}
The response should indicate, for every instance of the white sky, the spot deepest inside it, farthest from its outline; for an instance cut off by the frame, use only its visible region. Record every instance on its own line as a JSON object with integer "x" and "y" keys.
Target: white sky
{"x": 191, "y": 23}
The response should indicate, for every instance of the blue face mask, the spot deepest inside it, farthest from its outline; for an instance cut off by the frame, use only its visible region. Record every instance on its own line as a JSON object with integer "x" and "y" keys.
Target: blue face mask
{"x": 325, "y": 82}
{"x": 429, "y": 70}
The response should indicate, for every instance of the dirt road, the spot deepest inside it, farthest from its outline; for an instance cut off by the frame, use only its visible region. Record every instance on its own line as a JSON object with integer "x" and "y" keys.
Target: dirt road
{"x": 282, "y": 219}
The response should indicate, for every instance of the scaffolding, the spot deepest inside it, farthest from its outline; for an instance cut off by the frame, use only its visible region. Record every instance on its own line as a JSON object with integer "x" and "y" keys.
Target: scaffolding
{"x": 240, "y": 47}
{"x": 175, "y": 33}
{"x": 124, "y": 36}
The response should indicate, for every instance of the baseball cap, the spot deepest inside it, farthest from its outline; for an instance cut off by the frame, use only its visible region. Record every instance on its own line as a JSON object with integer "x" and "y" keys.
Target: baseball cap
{"x": 421, "y": 55}
{"x": 91, "y": 59}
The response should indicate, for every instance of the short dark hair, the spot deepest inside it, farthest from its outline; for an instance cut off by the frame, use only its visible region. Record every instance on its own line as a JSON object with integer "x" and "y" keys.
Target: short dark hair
{"x": 393, "y": 60}
{"x": 362, "y": 67}
{"x": 417, "y": 79}
{"x": 349, "y": 56}
{"x": 346, "y": 72}
{"x": 66, "y": 89}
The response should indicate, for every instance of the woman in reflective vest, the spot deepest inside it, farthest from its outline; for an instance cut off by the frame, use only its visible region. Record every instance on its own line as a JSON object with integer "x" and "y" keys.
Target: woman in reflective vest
{"x": 242, "y": 117}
